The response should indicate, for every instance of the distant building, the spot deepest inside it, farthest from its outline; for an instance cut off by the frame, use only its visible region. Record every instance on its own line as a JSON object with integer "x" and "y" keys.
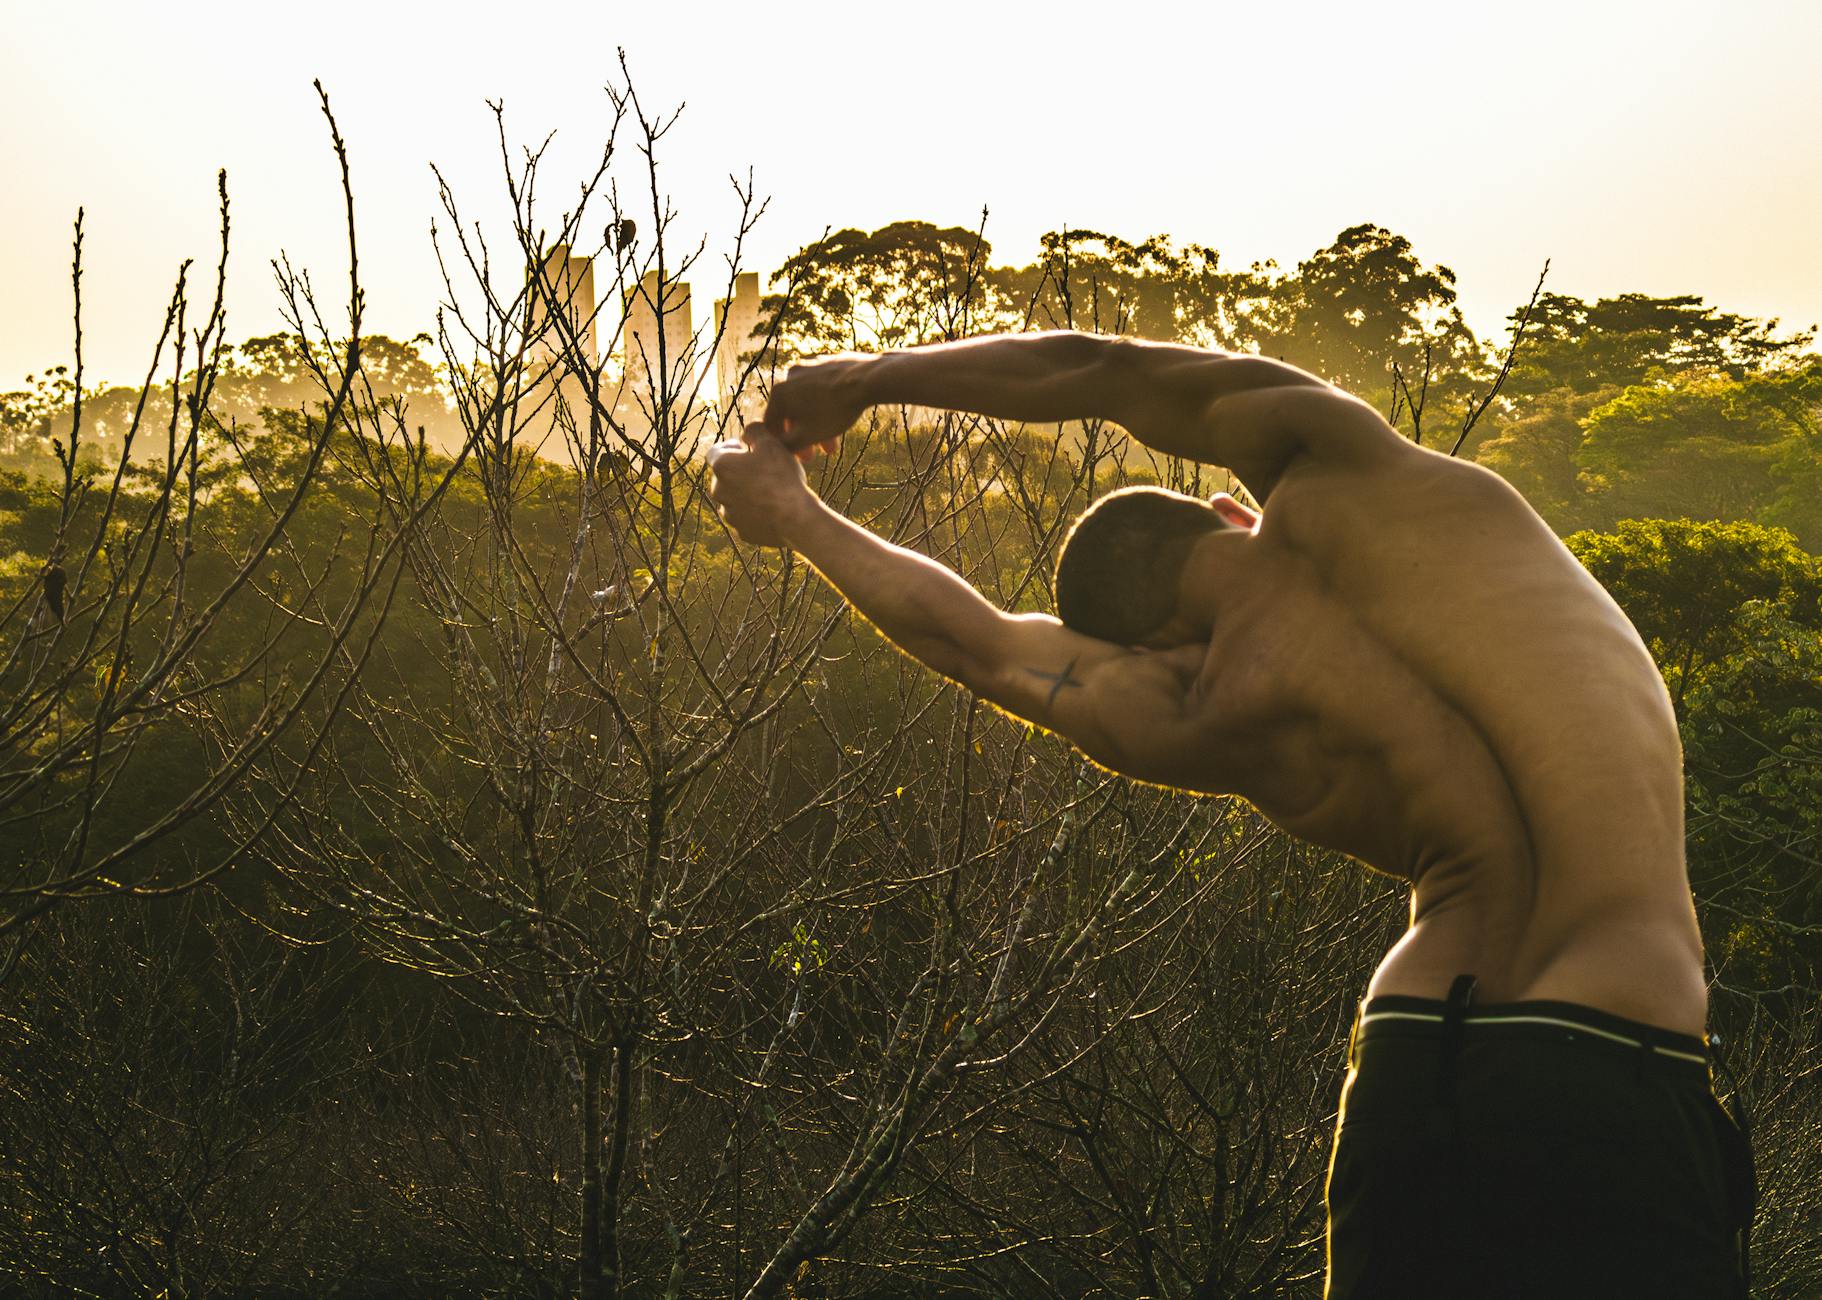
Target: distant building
{"x": 737, "y": 320}
{"x": 557, "y": 342}
{"x": 659, "y": 364}
{"x": 572, "y": 284}
{"x": 656, "y": 361}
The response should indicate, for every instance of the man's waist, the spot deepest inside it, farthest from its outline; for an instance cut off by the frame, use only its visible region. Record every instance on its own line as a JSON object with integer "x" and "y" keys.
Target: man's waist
{"x": 1398, "y": 1015}
{"x": 1640, "y": 960}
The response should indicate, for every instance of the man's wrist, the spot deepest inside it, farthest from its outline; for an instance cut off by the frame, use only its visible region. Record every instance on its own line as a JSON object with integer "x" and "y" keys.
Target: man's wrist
{"x": 866, "y": 382}
{"x": 801, "y": 522}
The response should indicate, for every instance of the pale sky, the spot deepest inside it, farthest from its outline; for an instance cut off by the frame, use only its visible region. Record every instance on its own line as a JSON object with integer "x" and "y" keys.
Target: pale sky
{"x": 1662, "y": 147}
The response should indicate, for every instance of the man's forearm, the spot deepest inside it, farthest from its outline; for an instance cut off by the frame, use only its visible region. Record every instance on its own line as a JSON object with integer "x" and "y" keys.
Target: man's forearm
{"x": 1160, "y": 393}
{"x": 1032, "y": 378}
{"x": 918, "y": 604}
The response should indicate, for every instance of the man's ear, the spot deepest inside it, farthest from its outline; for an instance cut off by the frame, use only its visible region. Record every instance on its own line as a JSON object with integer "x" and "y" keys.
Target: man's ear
{"x": 1232, "y": 511}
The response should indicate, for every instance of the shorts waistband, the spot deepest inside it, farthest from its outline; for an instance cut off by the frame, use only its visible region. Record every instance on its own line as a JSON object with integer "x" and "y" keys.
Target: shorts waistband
{"x": 1390, "y": 1011}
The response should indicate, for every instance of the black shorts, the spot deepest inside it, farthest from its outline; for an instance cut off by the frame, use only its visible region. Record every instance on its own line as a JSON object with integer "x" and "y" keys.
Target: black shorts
{"x": 1531, "y": 1149}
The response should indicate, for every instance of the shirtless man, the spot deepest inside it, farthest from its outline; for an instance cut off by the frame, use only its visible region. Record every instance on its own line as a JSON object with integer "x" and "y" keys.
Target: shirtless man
{"x": 1398, "y": 660}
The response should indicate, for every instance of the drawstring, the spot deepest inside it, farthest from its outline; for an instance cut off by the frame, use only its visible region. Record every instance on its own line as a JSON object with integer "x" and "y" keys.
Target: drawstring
{"x": 1454, "y": 1015}
{"x": 1447, "y": 1187}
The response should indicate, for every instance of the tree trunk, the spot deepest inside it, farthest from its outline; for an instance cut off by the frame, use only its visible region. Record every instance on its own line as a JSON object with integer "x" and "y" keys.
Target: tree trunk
{"x": 591, "y": 1283}
{"x": 616, "y": 1167}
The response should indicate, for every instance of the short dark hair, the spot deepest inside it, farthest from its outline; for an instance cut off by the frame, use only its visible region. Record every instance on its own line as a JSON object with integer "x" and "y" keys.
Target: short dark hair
{"x": 1117, "y": 574}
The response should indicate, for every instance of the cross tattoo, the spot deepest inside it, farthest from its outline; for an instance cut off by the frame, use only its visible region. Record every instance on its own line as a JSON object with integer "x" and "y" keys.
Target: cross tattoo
{"x": 1058, "y": 681}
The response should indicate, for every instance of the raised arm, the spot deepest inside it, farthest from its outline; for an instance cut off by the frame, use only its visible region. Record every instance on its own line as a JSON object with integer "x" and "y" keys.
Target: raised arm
{"x": 1251, "y": 415}
{"x": 1123, "y": 708}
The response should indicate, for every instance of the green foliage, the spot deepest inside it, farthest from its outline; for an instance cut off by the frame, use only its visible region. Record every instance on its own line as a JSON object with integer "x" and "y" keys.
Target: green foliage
{"x": 1626, "y": 340}
{"x": 1349, "y": 312}
{"x": 27, "y": 420}
{"x": 1089, "y": 280}
{"x": 1638, "y": 406}
{"x": 907, "y": 283}
{"x": 1699, "y": 444}
{"x": 265, "y": 383}
{"x": 1535, "y": 451}
{"x": 801, "y": 952}
{"x": 1686, "y": 585}
{"x": 1366, "y": 301}
{"x": 1753, "y": 748}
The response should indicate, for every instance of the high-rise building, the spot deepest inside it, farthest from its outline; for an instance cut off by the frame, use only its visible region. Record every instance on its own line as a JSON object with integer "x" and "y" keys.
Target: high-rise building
{"x": 570, "y": 282}
{"x": 659, "y": 361}
{"x": 562, "y": 349}
{"x": 740, "y": 398}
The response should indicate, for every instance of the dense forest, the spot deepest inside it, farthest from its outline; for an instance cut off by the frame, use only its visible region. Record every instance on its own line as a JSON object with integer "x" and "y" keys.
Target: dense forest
{"x": 436, "y": 859}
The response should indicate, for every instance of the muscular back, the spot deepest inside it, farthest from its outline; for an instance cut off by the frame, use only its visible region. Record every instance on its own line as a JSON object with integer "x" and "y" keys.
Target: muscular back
{"x": 1452, "y": 575}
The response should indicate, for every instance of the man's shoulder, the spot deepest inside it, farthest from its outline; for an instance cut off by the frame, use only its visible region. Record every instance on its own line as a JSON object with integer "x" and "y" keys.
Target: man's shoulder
{"x": 1397, "y": 488}
{"x": 1334, "y": 427}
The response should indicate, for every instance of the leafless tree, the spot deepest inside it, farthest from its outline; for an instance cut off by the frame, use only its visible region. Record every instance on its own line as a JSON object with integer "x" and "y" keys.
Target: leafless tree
{"x": 530, "y": 799}
{"x": 163, "y": 599}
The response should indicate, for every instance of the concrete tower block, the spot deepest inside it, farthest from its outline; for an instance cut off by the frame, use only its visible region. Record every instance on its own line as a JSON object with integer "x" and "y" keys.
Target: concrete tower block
{"x": 563, "y": 348}
{"x": 737, "y": 320}
{"x": 571, "y": 283}
{"x": 644, "y": 345}
{"x": 657, "y": 332}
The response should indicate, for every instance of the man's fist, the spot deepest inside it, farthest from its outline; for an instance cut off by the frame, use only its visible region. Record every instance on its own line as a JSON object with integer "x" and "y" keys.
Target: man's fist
{"x": 757, "y": 486}
{"x": 817, "y": 401}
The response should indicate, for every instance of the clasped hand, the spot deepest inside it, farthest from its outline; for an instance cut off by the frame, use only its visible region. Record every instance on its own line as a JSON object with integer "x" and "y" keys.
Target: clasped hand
{"x": 817, "y": 401}
{"x": 757, "y": 486}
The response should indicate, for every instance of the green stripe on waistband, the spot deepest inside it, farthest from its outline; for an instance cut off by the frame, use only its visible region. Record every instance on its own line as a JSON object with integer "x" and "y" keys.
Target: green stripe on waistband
{"x": 1578, "y": 1026}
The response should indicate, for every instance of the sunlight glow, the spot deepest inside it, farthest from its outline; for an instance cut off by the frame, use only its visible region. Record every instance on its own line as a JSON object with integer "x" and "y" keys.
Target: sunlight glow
{"x": 1660, "y": 148}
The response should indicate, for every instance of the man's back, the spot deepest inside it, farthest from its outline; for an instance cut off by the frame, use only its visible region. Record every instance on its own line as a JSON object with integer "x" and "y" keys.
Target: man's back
{"x": 1448, "y": 569}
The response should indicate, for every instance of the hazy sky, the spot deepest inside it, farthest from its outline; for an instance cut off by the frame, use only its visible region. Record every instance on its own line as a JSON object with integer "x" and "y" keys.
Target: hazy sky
{"x": 1663, "y": 147}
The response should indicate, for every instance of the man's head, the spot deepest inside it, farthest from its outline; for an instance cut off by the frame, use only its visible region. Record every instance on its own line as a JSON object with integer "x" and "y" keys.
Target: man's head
{"x": 1119, "y": 574}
